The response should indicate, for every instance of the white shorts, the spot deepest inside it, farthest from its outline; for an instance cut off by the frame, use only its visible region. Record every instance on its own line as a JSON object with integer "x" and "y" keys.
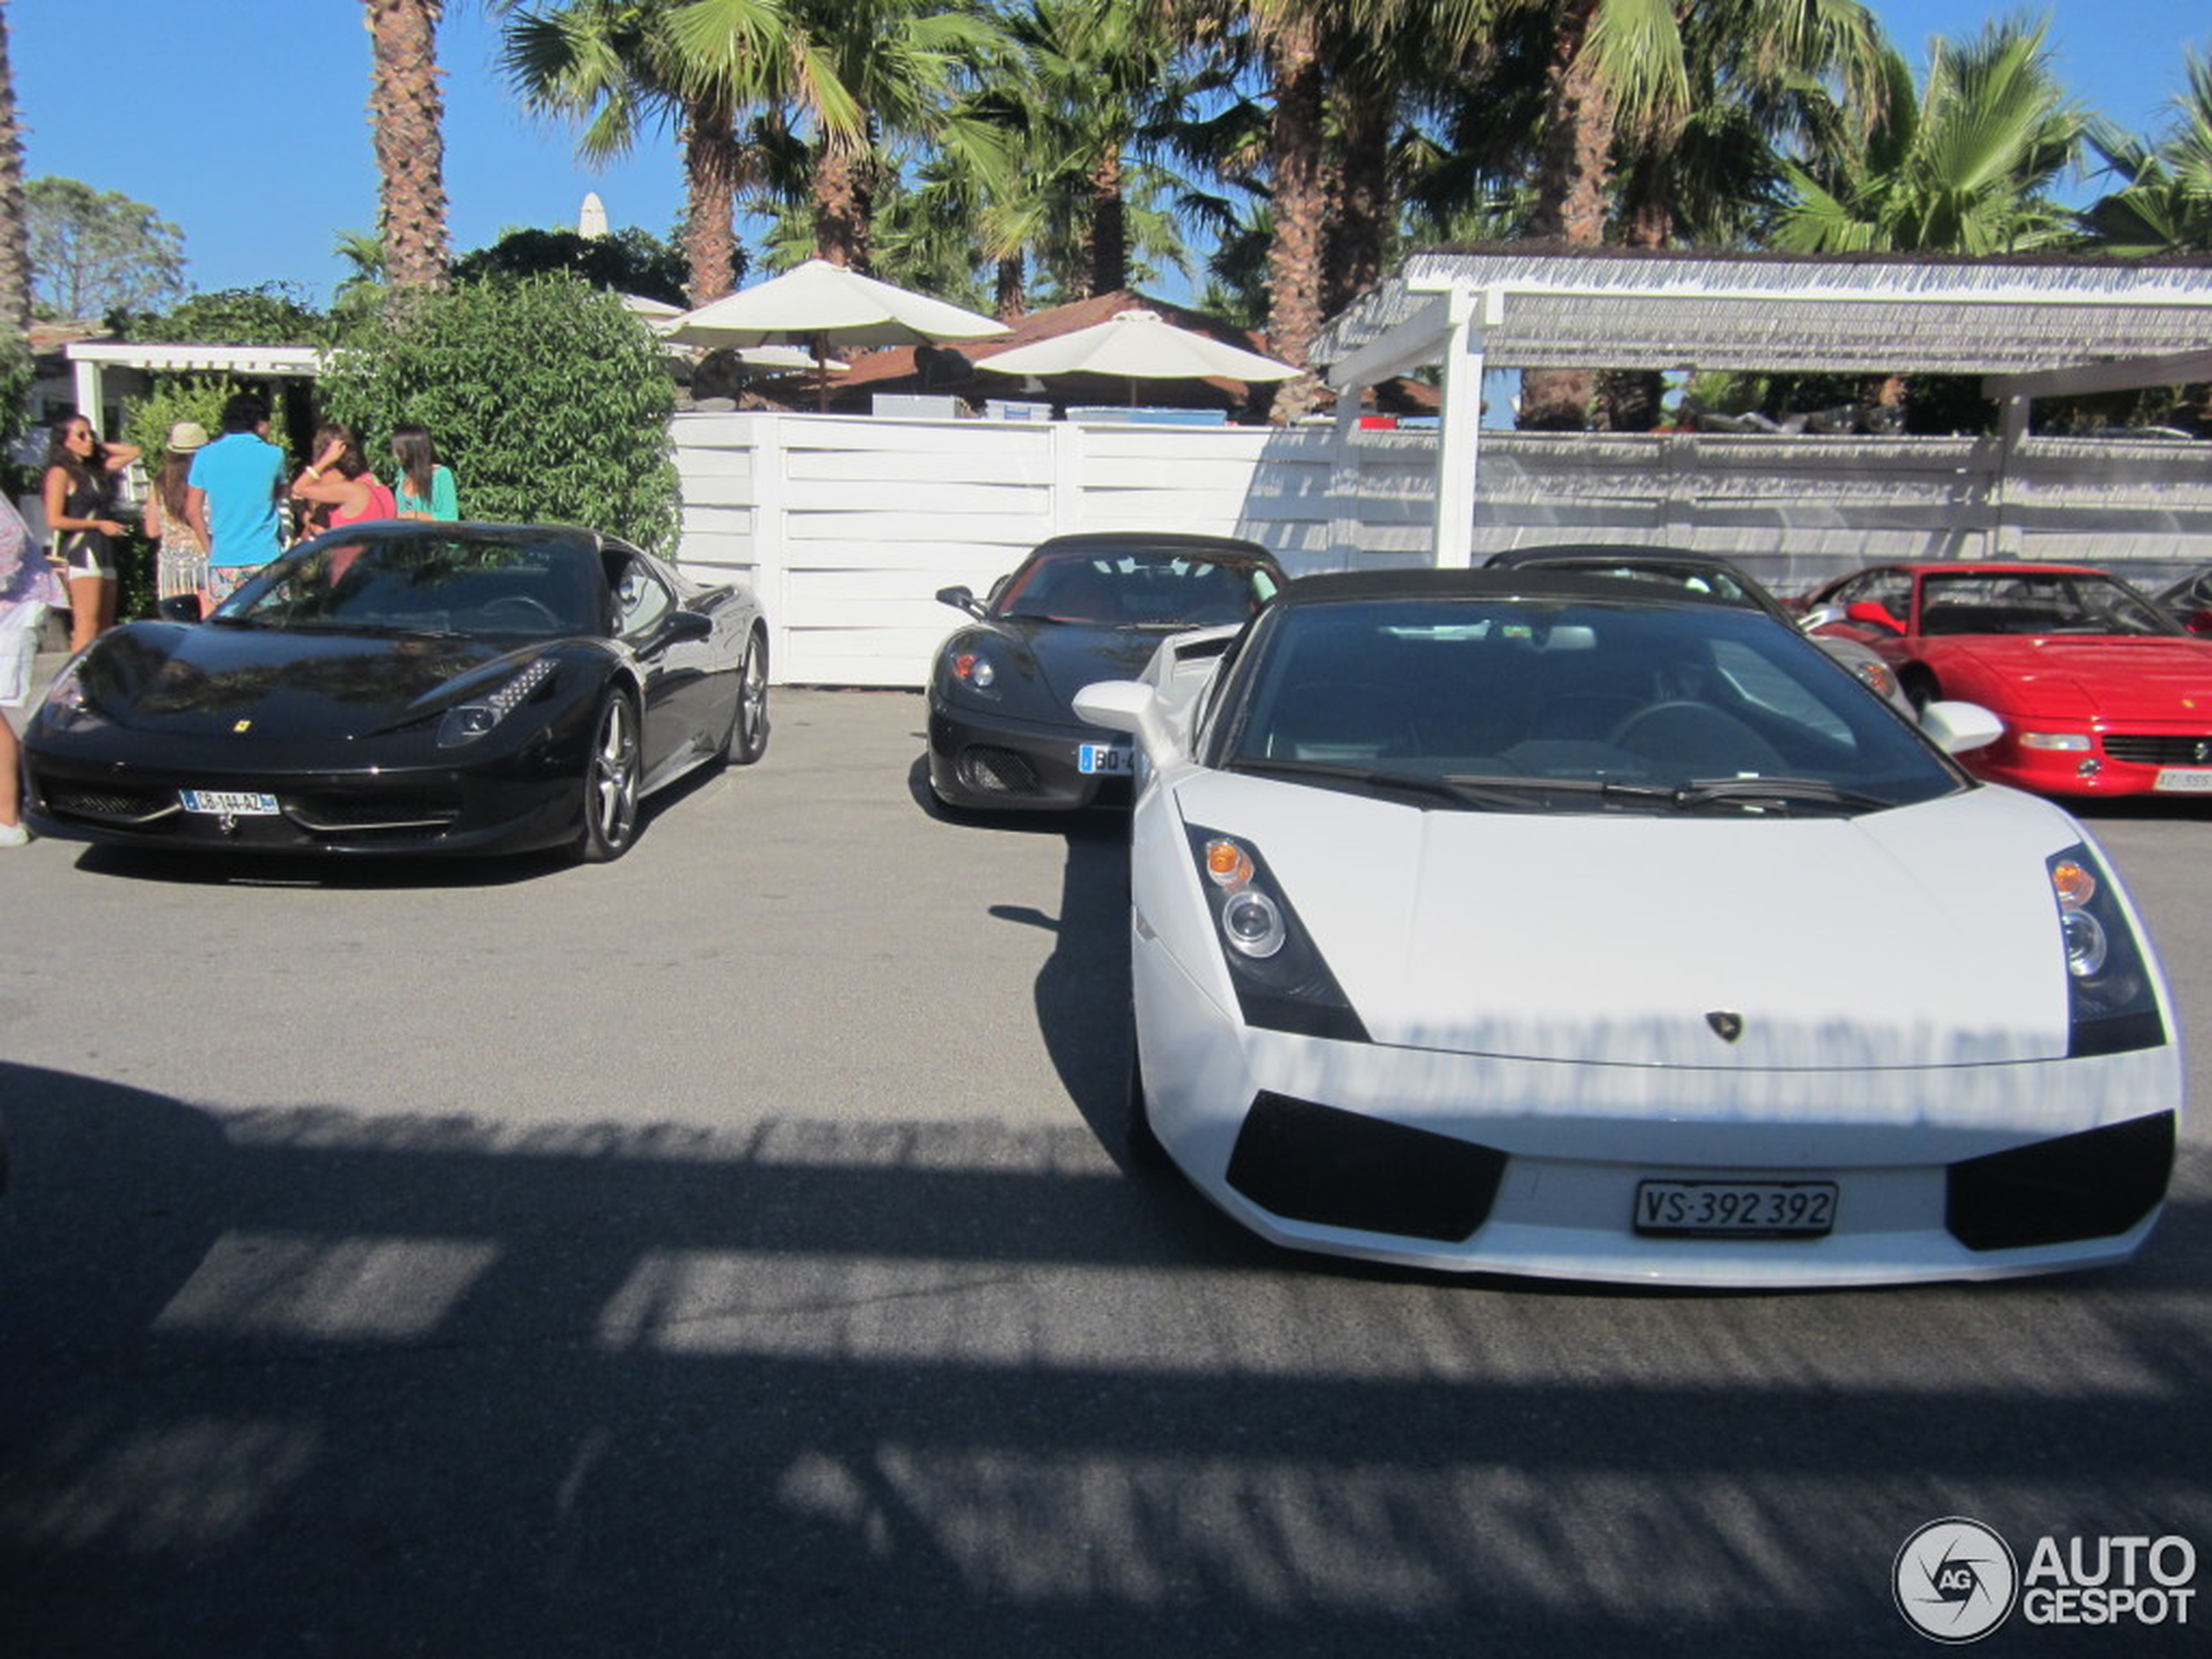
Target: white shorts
{"x": 19, "y": 657}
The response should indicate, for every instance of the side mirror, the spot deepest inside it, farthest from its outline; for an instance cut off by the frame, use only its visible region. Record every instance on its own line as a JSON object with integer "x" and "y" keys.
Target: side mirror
{"x": 2200, "y": 622}
{"x": 1957, "y": 727}
{"x": 1868, "y": 614}
{"x": 1130, "y": 706}
{"x": 1818, "y": 617}
{"x": 961, "y": 598}
{"x": 680, "y": 627}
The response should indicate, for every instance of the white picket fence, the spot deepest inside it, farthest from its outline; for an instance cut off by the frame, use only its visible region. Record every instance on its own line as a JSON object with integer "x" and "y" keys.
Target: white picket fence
{"x": 848, "y": 526}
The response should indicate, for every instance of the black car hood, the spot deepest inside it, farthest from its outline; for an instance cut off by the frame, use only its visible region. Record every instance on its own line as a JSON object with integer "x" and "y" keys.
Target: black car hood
{"x": 1071, "y": 655}
{"x": 193, "y": 681}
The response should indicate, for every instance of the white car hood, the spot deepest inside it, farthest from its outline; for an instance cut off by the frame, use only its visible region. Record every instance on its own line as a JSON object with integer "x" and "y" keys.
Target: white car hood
{"x": 1918, "y": 936}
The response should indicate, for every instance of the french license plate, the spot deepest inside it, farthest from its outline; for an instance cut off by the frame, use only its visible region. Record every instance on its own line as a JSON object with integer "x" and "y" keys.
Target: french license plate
{"x": 1735, "y": 1208}
{"x": 1115, "y": 758}
{"x": 2183, "y": 781}
{"x": 237, "y": 803}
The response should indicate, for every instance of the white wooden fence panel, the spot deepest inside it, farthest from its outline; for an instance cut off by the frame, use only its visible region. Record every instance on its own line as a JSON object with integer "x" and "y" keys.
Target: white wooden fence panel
{"x": 848, "y": 526}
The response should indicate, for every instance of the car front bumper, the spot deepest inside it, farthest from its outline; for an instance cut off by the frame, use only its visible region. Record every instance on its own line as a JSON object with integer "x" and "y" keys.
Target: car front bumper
{"x": 506, "y": 805}
{"x": 1000, "y": 762}
{"x": 1476, "y": 1164}
{"x": 2117, "y": 762}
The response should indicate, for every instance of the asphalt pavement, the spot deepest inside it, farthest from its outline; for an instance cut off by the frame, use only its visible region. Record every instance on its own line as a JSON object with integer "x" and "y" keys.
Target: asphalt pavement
{"x": 729, "y": 1250}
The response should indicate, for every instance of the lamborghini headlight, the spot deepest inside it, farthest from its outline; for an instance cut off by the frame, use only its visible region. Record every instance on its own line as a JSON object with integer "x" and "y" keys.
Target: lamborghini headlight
{"x": 466, "y": 722}
{"x": 2113, "y": 1006}
{"x": 1281, "y": 981}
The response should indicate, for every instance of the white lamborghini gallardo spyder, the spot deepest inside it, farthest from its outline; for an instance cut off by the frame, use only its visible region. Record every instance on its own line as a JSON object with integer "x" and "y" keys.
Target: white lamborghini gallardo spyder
{"x": 1523, "y": 922}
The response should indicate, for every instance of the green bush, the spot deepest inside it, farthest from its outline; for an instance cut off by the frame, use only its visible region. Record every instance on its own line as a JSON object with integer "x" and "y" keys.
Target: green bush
{"x": 275, "y": 313}
{"x": 545, "y": 396}
{"x": 146, "y": 420}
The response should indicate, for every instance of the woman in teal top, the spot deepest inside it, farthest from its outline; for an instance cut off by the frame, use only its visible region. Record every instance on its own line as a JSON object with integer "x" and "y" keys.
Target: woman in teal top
{"x": 423, "y": 490}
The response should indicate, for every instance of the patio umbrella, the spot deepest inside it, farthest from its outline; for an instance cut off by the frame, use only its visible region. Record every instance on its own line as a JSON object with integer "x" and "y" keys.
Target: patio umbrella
{"x": 819, "y": 304}
{"x": 1138, "y": 346}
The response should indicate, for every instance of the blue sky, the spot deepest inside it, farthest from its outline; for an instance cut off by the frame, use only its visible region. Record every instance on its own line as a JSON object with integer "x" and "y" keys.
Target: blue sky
{"x": 244, "y": 122}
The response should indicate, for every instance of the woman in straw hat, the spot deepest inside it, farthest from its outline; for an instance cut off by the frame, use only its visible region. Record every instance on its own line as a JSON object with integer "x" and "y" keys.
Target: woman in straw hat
{"x": 180, "y": 561}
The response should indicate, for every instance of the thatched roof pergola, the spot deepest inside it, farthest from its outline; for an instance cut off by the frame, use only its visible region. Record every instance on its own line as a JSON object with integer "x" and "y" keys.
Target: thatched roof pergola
{"x": 2030, "y": 326}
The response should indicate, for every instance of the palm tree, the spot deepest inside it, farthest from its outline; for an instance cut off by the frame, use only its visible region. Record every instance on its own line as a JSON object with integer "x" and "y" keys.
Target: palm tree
{"x": 405, "y": 118}
{"x": 2165, "y": 206}
{"x": 617, "y": 67}
{"x": 901, "y": 63}
{"x": 1286, "y": 40}
{"x": 14, "y": 227}
{"x": 1633, "y": 77}
{"x": 1963, "y": 165}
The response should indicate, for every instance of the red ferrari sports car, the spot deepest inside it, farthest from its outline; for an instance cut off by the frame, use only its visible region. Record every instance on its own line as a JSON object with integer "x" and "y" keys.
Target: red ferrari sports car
{"x": 2101, "y": 692}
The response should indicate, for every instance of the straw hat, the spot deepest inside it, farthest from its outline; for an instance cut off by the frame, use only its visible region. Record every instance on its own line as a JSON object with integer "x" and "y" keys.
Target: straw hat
{"x": 186, "y": 436}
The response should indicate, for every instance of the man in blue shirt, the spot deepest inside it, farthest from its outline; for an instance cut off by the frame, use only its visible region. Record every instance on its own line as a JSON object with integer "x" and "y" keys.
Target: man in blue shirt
{"x": 232, "y": 494}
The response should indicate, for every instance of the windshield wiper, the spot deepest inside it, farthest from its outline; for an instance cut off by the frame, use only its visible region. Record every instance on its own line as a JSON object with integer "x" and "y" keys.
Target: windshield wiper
{"x": 1457, "y": 792}
{"x": 1783, "y": 792}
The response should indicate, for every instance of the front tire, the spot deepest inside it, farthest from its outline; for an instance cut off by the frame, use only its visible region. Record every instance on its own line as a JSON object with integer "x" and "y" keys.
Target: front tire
{"x": 610, "y": 775}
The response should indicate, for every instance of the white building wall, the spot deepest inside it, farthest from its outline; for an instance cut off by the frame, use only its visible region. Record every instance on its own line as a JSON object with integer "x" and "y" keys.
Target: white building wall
{"x": 848, "y": 526}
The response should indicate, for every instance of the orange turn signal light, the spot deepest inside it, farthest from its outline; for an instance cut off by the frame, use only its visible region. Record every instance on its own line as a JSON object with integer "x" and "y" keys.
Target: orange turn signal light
{"x": 1227, "y": 864}
{"x": 2075, "y": 885}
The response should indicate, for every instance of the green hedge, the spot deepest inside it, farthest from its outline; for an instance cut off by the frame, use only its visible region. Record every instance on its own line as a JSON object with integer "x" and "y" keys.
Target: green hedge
{"x": 546, "y": 397}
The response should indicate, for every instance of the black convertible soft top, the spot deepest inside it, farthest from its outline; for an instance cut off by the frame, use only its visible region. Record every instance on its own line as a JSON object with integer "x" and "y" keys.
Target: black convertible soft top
{"x": 1523, "y": 582}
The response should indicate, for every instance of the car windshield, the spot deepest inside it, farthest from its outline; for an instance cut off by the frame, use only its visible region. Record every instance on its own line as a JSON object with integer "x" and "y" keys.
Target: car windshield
{"x": 434, "y": 585}
{"x": 1575, "y": 705}
{"x": 2034, "y": 602}
{"x": 1135, "y": 586}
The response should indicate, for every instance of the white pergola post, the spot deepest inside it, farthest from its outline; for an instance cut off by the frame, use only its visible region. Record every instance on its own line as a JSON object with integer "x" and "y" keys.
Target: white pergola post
{"x": 1458, "y": 438}
{"x": 87, "y": 376}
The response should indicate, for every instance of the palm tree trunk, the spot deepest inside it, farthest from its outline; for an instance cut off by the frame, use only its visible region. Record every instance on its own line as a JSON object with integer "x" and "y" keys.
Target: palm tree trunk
{"x": 1296, "y": 171}
{"x": 15, "y": 226}
{"x": 406, "y": 118}
{"x": 1574, "y": 168}
{"x": 1363, "y": 199}
{"x": 842, "y": 207}
{"x": 712, "y": 163}
{"x": 1013, "y": 287}
{"x": 1108, "y": 231}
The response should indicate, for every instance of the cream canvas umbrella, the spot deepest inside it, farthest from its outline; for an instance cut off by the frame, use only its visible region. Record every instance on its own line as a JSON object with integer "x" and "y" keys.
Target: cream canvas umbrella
{"x": 1138, "y": 346}
{"x": 817, "y": 305}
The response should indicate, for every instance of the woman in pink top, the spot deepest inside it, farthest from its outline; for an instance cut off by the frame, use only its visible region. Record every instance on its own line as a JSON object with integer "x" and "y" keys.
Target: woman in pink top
{"x": 339, "y": 488}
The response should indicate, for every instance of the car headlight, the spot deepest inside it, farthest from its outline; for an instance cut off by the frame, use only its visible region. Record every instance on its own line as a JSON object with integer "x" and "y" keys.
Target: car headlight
{"x": 1282, "y": 982}
{"x": 2112, "y": 1005}
{"x": 65, "y": 707}
{"x": 466, "y": 722}
{"x": 973, "y": 669}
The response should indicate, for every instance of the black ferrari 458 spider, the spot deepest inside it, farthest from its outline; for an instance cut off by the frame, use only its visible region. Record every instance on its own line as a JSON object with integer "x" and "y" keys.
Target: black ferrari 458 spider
{"x": 406, "y": 688}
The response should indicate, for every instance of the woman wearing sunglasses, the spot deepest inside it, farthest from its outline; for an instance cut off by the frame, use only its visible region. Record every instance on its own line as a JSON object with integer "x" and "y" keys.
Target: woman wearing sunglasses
{"x": 80, "y": 492}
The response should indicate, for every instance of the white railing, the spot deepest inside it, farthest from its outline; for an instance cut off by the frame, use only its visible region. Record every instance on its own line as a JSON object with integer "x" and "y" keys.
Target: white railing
{"x": 849, "y": 525}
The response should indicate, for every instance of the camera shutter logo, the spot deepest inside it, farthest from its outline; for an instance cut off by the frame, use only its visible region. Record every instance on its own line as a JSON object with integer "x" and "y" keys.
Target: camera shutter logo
{"x": 1955, "y": 1580}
